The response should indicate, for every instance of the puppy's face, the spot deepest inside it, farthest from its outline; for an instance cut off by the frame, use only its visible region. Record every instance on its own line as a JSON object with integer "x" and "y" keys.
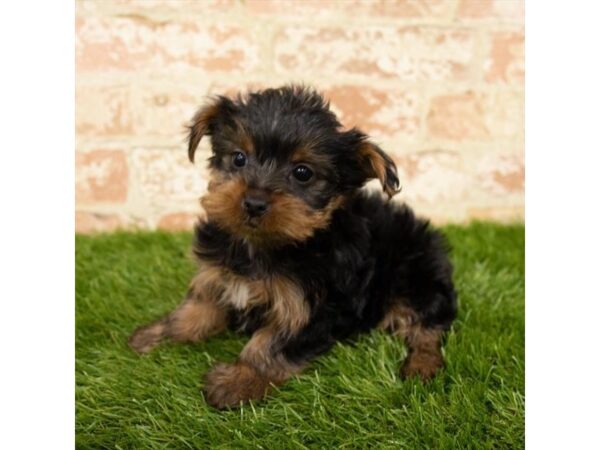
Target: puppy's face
{"x": 281, "y": 164}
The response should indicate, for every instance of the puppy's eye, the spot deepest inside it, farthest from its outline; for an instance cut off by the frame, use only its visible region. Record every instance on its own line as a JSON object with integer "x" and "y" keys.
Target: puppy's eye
{"x": 239, "y": 159}
{"x": 302, "y": 173}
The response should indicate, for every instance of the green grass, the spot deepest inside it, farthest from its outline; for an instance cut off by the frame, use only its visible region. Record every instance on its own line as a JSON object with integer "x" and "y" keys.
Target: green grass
{"x": 350, "y": 398}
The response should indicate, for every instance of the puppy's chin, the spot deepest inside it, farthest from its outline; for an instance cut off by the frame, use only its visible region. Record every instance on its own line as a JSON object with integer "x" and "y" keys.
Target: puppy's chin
{"x": 289, "y": 219}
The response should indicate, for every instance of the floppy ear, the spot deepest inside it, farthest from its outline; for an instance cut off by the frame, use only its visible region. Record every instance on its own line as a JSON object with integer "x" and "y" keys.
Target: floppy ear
{"x": 201, "y": 124}
{"x": 379, "y": 165}
{"x": 204, "y": 121}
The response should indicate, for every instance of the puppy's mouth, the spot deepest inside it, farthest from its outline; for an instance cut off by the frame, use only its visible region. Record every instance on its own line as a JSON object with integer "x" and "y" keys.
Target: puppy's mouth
{"x": 252, "y": 222}
{"x": 255, "y": 229}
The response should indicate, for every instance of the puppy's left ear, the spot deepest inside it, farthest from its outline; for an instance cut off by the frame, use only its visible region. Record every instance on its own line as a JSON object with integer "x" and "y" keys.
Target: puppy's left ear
{"x": 377, "y": 164}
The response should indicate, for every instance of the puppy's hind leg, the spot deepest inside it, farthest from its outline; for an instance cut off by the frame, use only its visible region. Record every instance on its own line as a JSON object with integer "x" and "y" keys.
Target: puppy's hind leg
{"x": 424, "y": 357}
{"x": 198, "y": 317}
{"x": 424, "y": 353}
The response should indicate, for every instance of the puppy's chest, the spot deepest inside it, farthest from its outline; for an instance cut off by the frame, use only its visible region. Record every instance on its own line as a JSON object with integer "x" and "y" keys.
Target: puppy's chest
{"x": 240, "y": 292}
{"x": 276, "y": 299}
{"x": 249, "y": 280}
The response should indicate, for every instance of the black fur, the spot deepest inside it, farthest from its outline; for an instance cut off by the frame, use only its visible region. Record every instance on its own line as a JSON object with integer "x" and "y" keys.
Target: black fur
{"x": 279, "y": 121}
{"x": 374, "y": 253}
{"x": 348, "y": 259}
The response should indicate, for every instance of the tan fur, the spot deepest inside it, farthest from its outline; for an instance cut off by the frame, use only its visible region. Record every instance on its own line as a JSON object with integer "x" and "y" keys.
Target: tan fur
{"x": 230, "y": 289}
{"x": 241, "y": 292}
{"x": 228, "y": 385}
{"x": 199, "y": 316}
{"x": 207, "y": 282}
{"x": 259, "y": 353}
{"x": 223, "y": 202}
{"x": 288, "y": 217}
{"x": 377, "y": 165}
{"x": 260, "y": 365}
{"x": 192, "y": 321}
{"x": 195, "y": 320}
{"x": 257, "y": 370}
{"x": 292, "y": 218}
{"x": 199, "y": 127}
{"x": 424, "y": 344}
{"x": 289, "y": 311}
{"x": 145, "y": 338}
{"x": 398, "y": 320}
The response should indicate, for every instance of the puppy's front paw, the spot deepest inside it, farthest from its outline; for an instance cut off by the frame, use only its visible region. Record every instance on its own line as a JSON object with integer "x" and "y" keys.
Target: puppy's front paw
{"x": 147, "y": 337}
{"x": 422, "y": 365}
{"x": 228, "y": 385}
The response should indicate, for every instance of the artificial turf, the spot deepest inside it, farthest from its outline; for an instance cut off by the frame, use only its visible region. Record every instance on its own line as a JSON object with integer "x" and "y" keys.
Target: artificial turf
{"x": 350, "y": 398}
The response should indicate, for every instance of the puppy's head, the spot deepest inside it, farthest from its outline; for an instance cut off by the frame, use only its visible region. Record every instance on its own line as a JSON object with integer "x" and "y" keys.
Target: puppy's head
{"x": 281, "y": 163}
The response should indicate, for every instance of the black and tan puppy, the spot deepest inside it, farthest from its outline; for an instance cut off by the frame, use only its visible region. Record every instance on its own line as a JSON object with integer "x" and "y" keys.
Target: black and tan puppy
{"x": 294, "y": 253}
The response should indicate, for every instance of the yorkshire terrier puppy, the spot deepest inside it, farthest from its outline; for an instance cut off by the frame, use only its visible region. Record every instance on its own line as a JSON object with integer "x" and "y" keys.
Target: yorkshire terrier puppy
{"x": 296, "y": 254}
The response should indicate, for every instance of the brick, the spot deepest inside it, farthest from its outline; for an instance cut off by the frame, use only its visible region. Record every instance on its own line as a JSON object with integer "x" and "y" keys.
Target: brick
{"x": 506, "y": 115}
{"x": 86, "y": 222}
{"x": 476, "y": 116}
{"x": 399, "y": 8}
{"x": 177, "y": 221}
{"x": 138, "y": 62}
{"x": 363, "y": 8}
{"x": 165, "y": 109}
{"x": 402, "y": 54}
{"x": 501, "y": 174}
{"x": 140, "y": 43}
{"x": 458, "y": 117}
{"x": 103, "y": 110}
{"x": 158, "y": 108}
{"x": 165, "y": 177}
{"x": 506, "y": 60}
{"x": 506, "y": 10}
{"x": 153, "y": 7}
{"x": 376, "y": 111}
{"x": 454, "y": 179}
{"x": 304, "y": 8}
{"x": 101, "y": 176}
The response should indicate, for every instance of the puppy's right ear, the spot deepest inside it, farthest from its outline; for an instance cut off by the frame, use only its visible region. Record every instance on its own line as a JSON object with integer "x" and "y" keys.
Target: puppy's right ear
{"x": 203, "y": 122}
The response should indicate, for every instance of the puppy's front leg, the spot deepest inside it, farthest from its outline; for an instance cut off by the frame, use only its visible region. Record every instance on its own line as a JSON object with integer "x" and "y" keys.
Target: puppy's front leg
{"x": 260, "y": 366}
{"x": 198, "y": 317}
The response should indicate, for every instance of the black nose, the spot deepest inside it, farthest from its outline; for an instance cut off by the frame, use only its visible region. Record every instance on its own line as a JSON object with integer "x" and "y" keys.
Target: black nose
{"x": 255, "y": 206}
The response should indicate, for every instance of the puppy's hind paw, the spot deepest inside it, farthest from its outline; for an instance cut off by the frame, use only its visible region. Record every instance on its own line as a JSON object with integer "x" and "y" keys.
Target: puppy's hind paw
{"x": 421, "y": 365}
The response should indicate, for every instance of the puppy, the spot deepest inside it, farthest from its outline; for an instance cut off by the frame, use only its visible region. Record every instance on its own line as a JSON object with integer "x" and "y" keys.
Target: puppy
{"x": 295, "y": 254}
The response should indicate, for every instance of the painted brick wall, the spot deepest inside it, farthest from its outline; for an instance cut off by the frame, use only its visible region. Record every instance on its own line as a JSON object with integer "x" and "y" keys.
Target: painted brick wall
{"x": 439, "y": 84}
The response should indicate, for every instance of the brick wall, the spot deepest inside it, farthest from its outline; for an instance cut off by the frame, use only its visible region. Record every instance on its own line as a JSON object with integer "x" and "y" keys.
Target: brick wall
{"x": 439, "y": 85}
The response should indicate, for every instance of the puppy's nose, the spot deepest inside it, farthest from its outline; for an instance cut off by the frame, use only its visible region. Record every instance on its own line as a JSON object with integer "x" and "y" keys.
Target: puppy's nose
{"x": 255, "y": 204}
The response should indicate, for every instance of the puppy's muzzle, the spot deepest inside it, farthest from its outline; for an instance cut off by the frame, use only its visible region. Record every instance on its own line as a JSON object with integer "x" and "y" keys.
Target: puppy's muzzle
{"x": 255, "y": 203}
